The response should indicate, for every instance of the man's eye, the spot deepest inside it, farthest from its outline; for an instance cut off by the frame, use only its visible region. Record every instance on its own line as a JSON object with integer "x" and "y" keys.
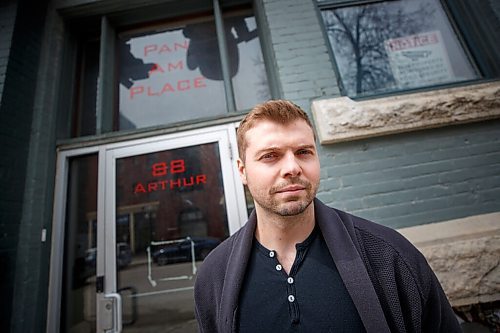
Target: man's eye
{"x": 268, "y": 156}
{"x": 305, "y": 152}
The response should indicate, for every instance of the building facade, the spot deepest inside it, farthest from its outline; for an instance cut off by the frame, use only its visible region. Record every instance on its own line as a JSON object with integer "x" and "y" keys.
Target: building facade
{"x": 117, "y": 126}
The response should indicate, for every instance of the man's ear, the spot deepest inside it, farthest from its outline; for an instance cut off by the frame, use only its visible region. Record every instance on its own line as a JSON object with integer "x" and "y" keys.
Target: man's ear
{"x": 242, "y": 171}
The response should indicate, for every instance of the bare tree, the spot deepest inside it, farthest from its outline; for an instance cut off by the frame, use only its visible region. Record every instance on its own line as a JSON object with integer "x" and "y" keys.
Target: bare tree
{"x": 358, "y": 33}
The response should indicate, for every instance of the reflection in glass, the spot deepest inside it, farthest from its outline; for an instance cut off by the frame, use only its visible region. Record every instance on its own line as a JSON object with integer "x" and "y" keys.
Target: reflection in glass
{"x": 162, "y": 78}
{"x": 395, "y": 45}
{"x": 247, "y": 65}
{"x": 170, "y": 214}
{"x": 85, "y": 112}
{"x": 175, "y": 74}
{"x": 78, "y": 289}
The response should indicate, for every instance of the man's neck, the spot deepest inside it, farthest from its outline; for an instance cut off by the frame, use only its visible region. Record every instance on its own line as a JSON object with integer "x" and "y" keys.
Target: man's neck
{"x": 282, "y": 233}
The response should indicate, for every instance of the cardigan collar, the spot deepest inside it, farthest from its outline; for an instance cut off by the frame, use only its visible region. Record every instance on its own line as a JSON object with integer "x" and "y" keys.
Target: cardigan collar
{"x": 341, "y": 241}
{"x": 235, "y": 273}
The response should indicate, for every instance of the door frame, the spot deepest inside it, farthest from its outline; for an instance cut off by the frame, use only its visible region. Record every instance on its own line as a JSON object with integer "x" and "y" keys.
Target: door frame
{"x": 107, "y": 154}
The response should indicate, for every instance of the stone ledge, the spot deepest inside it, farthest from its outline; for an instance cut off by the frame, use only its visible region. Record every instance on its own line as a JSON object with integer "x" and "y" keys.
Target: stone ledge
{"x": 342, "y": 119}
{"x": 464, "y": 254}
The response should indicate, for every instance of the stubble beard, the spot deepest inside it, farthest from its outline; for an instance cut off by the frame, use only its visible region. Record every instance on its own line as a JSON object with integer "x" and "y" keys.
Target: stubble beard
{"x": 293, "y": 205}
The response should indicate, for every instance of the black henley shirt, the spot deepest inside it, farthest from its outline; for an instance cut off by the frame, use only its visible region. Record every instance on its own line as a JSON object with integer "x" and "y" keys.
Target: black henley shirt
{"x": 311, "y": 298}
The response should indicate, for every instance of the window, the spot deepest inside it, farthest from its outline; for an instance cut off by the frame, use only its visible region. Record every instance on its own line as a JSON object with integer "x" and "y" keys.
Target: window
{"x": 174, "y": 71}
{"x": 85, "y": 115}
{"x": 390, "y": 46}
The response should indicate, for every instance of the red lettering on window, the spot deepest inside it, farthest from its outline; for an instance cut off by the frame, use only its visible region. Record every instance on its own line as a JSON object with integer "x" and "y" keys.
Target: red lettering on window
{"x": 183, "y": 85}
{"x": 201, "y": 179}
{"x": 174, "y": 183}
{"x": 152, "y": 93}
{"x": 178, "y": 46}
{"x": 159, "y": 169}
{"x": 163, "y": 184}
{"x": 177, "y": 166}
{"x": 199, "y": 82}
{"x": 167, "y": 87}
{"x": 152, "y": 187}
{"x": 139, "y": 188}
{"x": 164, "y": 48}
{"x": 136, "y": 91}
{"x": 188, "y": 183}
{"x": 156, "y": 69}
{"x": 179, "y": 65}
{"x": 149, "y": 48}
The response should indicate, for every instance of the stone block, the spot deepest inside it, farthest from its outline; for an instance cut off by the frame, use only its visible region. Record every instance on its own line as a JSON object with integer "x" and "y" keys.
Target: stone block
{"x": 464, "y": 254}
{"x": 343, "y": 119}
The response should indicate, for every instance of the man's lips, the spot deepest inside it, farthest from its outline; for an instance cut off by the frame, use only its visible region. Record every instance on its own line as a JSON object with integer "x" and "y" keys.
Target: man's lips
{"x": 291, "y": 188}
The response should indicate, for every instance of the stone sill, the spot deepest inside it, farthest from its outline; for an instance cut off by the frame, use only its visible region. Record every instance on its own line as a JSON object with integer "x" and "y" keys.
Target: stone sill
{"x": 342, "y": 119}
{"x": 464, "y": 254}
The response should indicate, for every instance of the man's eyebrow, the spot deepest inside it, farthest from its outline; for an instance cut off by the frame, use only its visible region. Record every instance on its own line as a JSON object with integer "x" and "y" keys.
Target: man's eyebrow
{"x": 279, "y": 148}
{"x": 307, "y": 147}
{"x": 267, "y": 150}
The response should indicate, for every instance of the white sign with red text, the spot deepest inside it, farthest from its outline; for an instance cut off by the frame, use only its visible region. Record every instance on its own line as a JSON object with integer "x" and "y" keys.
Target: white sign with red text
{"x": 419, "y": 59}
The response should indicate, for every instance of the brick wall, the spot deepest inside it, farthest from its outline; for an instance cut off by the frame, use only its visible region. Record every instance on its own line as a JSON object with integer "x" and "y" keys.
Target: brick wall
{"x": 415, "y": 178}
{"x": 397, "y": 180}
{"x": 301, "y": 51}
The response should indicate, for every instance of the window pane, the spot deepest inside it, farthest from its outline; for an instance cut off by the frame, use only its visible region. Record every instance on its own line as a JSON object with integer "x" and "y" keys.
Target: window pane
{"x": 479, "y": 22}
{"x": 170, "y": 214}
{"x": 394, "y": 46}
{"x": 170, "y": 76}
{"x": 85, "y": 115}
{"x": 78, "y": 312}
{"x": 246, "y": 63}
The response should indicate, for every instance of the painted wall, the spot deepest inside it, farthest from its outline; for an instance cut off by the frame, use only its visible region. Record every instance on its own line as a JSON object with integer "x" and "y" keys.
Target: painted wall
{"x": 20, "y": 42}
{"x": 397, "y": 180}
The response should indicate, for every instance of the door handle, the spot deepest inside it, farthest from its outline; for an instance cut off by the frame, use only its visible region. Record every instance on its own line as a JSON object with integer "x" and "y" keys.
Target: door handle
{"x": 111, "y": 313}
{"x": 133, "y": 300}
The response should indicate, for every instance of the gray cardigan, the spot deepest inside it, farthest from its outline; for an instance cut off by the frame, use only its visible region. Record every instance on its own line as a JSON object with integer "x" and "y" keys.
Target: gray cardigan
{"x": 388, "y": 279}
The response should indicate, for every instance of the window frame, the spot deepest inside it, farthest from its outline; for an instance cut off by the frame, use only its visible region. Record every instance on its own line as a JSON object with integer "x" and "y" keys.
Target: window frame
{"x": 472, "y": 58}
{"x": 114, "y": 22}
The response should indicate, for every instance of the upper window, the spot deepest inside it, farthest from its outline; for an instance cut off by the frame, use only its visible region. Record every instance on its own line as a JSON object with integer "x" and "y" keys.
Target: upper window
{"x": 175, "y": 72}
{"x": 391, "y": 46}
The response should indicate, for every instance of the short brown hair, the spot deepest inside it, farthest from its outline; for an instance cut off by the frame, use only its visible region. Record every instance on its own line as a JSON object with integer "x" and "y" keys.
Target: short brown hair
{"x": 279, "y": 111}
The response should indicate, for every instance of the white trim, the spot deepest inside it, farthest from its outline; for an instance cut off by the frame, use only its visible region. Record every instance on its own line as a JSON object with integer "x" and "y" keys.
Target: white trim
{"x": 57, "y": 239}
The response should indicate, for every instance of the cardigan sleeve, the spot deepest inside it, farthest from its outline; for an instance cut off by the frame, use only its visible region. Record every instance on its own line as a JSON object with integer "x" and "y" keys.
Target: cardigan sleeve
{"x": 409, "y": 292}
{"x": 208, "y": 289}
{"x": 438, "y": 315}
{"x": 205, "y": 307}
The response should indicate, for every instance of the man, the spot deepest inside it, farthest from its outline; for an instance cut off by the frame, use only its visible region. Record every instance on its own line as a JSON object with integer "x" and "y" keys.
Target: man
{"x": 300, "y": 266}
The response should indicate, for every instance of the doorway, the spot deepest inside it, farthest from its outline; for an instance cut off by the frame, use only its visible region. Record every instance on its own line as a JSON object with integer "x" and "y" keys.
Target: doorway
{"x": 133, "y": 222}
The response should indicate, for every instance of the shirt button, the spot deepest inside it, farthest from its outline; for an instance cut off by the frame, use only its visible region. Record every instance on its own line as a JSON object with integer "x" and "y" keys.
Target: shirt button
{"x": 291, "y": 298}
{"x": 278, "y": 267}
{"x": 271, "y": 254}
{"x": 290, "y": 280}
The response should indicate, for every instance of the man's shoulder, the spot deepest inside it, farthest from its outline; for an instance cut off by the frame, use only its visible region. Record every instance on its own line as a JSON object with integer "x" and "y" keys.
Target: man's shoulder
{"x": 375, "y": 238}
{"x": 369, "y": 232}
{"x": 381, "y": 246}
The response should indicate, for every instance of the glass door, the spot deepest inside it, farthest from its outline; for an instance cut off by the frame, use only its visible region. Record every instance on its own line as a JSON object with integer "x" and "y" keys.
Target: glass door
{"x": 171, "y": 203}
{"x": 132, "y": 224}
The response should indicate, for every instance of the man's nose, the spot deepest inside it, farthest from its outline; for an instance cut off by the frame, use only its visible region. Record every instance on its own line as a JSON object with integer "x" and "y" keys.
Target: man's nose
{"x": 290, "y": 166}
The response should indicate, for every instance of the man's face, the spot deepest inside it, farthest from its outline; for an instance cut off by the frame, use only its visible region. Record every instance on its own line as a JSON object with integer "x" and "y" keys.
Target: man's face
{"x": 281, "y": 167}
